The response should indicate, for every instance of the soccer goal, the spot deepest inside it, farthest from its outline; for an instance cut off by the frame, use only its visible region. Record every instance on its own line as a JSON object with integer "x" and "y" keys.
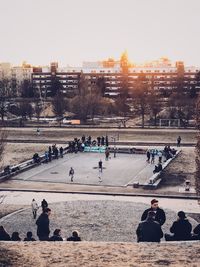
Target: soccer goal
{"x": 169, "y": 123}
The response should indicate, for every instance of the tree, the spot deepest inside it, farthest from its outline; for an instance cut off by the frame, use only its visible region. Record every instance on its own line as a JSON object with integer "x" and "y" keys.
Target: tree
{"x": 3, "y": 137}
{"x": 124, "y": 83}
{"x": 25, "y": 110}
{"x": 140, "y": 97}
{"x": 56, "y": 86}
{"x": 26, "y": 89}
{"x": 59, "y": 105}
{"x": 101, "y": 84}
{"x": 154, "y": 105}
{"x": 197, "y": 150}
{"x": 38, "y": 109}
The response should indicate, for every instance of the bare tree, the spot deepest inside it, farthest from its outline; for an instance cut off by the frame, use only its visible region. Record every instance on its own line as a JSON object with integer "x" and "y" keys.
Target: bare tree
{"x": 59, "y": 105}
{"x": 197, "y": 150}
{"x": 3, "y": 137}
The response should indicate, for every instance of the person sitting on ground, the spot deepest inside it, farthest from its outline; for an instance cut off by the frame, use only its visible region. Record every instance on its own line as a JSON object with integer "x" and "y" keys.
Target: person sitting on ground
{"x": 29, "y": 237}
{"x": 15, "y": 237}
{"x": 181, "y": 229}
{"x": 4, "y": 236}
{"x": 149, "y": 230}
{"x": 56, "y": 236}
{"x": 158, "y": 168}
{"x": 75, "y": 237}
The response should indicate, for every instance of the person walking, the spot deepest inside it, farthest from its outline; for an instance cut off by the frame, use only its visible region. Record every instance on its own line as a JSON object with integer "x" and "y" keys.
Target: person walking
{"x": 100, "y": 165}
{"x": 34, "y": 207}
{"x": 149, "y": 230}
{"x": 44, "y": 204}
{"x": 42, "y": 223}
{"x": 159, "y": 213}
{"x": 71, "y": 174}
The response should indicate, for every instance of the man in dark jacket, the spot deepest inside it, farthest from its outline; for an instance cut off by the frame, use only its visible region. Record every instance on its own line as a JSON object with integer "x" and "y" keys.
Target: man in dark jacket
{"x": 43, "y": 225}
{"x": 181, "y": 229}
{"x": 56, "y": 236}
{"x": 149, "y": 230}
{"x": 159, "y": 213}
{"x": 44, "y": 204}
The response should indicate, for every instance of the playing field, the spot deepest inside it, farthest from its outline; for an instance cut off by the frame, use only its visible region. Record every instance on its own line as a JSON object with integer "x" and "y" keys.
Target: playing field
{"x": 120, "y": 171}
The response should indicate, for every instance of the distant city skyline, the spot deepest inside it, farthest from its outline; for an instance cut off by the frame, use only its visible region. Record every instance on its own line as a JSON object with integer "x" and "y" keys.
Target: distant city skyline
{"x": 71, "y": 32}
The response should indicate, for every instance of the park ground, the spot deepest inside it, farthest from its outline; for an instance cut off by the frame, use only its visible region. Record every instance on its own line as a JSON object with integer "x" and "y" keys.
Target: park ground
{"x": 97, "y": 253}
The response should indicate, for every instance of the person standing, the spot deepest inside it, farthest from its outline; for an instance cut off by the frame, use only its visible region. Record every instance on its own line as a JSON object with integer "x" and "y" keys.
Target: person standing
{"x": 149, "y": 230}
{"x": 42, "y": 223}
{"x": 179, "y": 141}
{"x": 34, "y": 207}
{"x": 44, "y": 204}
{"x": 100, "y": 165}
{"x": 148, "y": 156}
{"x": 152, "y": 157}
{"x": 159, "y": 213}
{"x": 160, "y": 156}
{"x": 61, "y": 152}
{"x": 71, "y": 174}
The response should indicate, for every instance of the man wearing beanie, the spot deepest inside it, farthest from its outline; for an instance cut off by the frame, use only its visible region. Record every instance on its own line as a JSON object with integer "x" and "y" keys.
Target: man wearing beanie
{"x": 159, "y": 213}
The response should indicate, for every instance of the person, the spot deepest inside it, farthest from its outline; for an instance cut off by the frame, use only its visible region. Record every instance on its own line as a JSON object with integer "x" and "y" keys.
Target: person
{"x": 71, "y": 174}
{"x": 36, "y": 158}
{"x": 115, "y": 152}
{"x": 56, "y": 152}
{"x": 179, "y": 141}
{"x": 102, "y": 140}
{"x": 107, "y": 141}
{"x": 56, "y": 236}
{"x": 29, "y": 237}
{"x": 98, "y": 140}
{"x": 75, "y": 237}
{"x": 100, "y": 165}
{"x": 15, "y": 237}
{"x": 61, "y": 152}
{"x": 38, "y": 131}
{"x": 158, "y": 168}
{"x": 149, "y": 230}
{"x": 160, "y": 156}
{"x": 4, "y": 236}
{"x": 148, "y": 156}
{"x": 196, "y": 232}
{"x": 159, "y": 213}
{"x": 46, "y": 156}
{"x": 44, "y": 204}
{"x": 107, "y": 153}
{"x": 42, "y": 223}
{"x": 181, "y": 229}
{"x": 152, "y": 157}
{"x": 34, "y": 207}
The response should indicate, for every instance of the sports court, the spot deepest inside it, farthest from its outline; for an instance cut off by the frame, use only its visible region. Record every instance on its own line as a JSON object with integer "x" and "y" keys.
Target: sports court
{"x": 120, "y": 171}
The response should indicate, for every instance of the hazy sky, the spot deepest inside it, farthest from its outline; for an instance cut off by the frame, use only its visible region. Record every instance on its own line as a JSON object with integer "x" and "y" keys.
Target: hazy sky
{"x": 72, "y": 31}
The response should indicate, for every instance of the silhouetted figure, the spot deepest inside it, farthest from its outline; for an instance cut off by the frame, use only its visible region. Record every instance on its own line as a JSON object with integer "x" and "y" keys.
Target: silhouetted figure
{"x": 98, "y": 140}
{"x": 102, "y": 140}
{"x": 149, "y": 230}
{"x": 159, "y": 213}
{"x": 107, "y": 144}
{"x": 4, "y": 236}
{"x": 181, "y": 229}
{"x": 42, "y": 222}
{"x": 56, "y": 236}
{"x": 71, "y": 174}
{"x": 158, "y": 168}
{"x": 15, "y": 237}
{"x": 148, "y": 156}
{"x": 44, "y": 204}
{"x": 100, "y": 165}
{"x": 61, "y": 152}
{"x": 29, "y": 237}
{"x": 75, "y": 237}
{"x": 36, "y": 158}
{"x": 179, "y": 141}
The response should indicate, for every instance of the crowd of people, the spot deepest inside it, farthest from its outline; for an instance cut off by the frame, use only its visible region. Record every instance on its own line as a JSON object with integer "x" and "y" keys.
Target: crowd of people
{"x": 148, "y": 230}
{"x": 53, "y": 152}
{"x": 43, "y": 230}
{"x": 163, "y": 155}
{"x": 150, "y": 227}
{"x": 78, "y": 144}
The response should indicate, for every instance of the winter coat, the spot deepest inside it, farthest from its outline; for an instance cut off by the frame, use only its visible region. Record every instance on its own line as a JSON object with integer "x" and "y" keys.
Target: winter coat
{"x": 149, "y": 231}
{"x": 160, "y": 215}
{"x": 43, "y": 225}
{"x": 181, "y": 229}
{"x": 55, "y": 238}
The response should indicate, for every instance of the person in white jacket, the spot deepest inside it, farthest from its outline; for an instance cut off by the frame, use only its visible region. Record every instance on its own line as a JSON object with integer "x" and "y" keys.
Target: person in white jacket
{"x": 35, "y": 207}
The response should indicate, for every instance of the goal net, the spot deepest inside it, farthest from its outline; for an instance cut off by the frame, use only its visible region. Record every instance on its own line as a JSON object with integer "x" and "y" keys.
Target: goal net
{"x": 169, "y": 123}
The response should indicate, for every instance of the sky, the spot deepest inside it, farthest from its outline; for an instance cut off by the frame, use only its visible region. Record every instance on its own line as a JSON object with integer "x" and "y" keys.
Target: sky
{"x": 73, "y": 31}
